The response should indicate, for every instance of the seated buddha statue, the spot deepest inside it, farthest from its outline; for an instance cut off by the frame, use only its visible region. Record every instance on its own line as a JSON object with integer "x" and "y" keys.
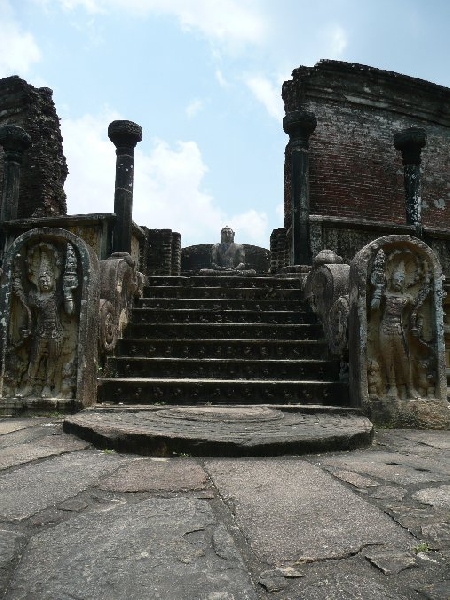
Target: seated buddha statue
{"x": 227, "y": 258}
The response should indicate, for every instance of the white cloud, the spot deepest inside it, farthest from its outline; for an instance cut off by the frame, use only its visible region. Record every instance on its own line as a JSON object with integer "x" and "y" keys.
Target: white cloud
{"x": 269, "y": 94}
{"x": 91, "y": 160}
{"x": 335, "y": 40}
{"x": 194, "y": 107}
{"x": 168, "y": 184}
{"x": 226, "y": 21}
{"x": 221, "y": 79}
{"x": 250, "y": 227}
{"x": 18, "y": 48}
{"x": 279, "y": 210}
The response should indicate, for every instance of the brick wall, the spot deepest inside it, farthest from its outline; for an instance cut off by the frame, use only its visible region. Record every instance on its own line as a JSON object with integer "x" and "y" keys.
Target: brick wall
{"x": 355, "y": 171}
{"x": 44, "y": 169}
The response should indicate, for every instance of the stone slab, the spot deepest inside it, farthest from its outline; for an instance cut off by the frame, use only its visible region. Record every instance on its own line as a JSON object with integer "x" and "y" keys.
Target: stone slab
{"x": 29, "y": 434}
{"x": 45, "y": 447}
{"x": 395, "y": 467}
{"x": 222, "y": 430}
{"x": 32, "y": 488}
{"x": 11, "y": 544}
{"x": 345, "y": 580}
{"x": 10, "y": 425}
{"x": 157, "y": 548}
{"x": 438, "y": 497}
{"x": 148, "y": 474}
{"x": 408, "y": 439}
{"x": 290, "y": 510}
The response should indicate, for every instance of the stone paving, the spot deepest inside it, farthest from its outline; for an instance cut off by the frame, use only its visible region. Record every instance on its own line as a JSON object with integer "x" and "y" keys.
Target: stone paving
{"x": 77, "y": 522}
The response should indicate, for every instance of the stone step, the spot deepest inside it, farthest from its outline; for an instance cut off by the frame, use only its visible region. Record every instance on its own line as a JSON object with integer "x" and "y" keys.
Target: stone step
{"x": 182, "y": 315}
{"x": 221, "y": 430}
{"x": 193, "y": 391}
{"x": 265, "y": 282}
{"x": 222, "y": 368}
{"x": 223, "y": 331}
{"x": 224, "y": 348}
{"x": 241, "y": 293}
{"x": 218, "y": 304}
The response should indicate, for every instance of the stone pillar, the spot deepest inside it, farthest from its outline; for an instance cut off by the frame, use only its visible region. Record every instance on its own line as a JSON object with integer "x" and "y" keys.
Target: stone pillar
{"x": 299, "y": 125}
{"x": 15, "y": 140}
{"x": 159, "y": 254}
{"x": 277, "y": 250}
{"x": 176, "y": 253}
{"x": 411, "y": 141}
{"x": 124, "y": 135}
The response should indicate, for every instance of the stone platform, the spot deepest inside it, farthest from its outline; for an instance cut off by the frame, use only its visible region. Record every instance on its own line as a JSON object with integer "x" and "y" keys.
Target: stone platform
{"x": 237, "y": 430}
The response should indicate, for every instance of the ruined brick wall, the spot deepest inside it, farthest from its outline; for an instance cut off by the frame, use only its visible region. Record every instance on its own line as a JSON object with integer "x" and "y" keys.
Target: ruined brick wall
{"x": 355, "y": 171}
{"x": 44, "y": 169}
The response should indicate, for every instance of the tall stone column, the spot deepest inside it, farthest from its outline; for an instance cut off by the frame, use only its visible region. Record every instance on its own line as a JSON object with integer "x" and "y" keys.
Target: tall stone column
{"x": 299, "y": 125}
{"x": 124, "y": 135}
{"x": 15, "y": 140}
{"x": 410, "y": 142}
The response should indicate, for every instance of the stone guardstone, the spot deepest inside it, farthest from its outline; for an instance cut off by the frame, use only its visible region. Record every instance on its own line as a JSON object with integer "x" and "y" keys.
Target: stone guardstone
{"x": 397, "y": 370}
{"x": 49, "y": 299}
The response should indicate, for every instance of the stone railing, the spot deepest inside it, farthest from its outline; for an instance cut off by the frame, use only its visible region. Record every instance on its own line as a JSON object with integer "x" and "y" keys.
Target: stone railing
{"x": 326, "y": 289}
{"x": 120, "y": 284}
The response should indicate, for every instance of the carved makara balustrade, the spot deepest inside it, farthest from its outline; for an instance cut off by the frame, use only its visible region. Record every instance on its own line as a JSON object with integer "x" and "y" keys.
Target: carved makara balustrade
{"x": 383, "y": 316}
{"x": 120, "y": 284}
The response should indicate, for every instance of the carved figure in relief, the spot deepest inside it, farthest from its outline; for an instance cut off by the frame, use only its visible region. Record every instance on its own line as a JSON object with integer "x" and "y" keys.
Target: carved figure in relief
{"x": 44, "y": 326}
{"x": 401, "y": 362}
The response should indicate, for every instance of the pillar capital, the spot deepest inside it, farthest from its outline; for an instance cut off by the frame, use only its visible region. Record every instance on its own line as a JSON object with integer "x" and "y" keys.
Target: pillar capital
{"x": 299, "y": 125}
{"x": 124, "y": 134}
{"x": 15, "y": 140}
{"x": 410, "y": 142}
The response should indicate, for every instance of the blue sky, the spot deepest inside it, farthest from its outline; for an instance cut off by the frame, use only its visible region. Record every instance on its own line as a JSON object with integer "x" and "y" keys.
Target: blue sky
{"x": 203, "y": 78}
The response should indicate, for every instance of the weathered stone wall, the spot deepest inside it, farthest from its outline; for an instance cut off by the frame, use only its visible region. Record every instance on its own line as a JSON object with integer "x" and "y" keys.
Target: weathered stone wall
{"x": 44, "y": 169}
{"x": 355, "y": 170}
{"x": 162, "y": 254}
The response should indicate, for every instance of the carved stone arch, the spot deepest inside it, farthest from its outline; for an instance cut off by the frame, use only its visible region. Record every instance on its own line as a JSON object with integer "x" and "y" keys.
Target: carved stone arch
{"x": 58, "y": 320}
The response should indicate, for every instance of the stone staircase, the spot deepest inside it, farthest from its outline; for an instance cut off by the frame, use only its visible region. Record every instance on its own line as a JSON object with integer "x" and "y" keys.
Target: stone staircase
{"x": 222, "y": 340}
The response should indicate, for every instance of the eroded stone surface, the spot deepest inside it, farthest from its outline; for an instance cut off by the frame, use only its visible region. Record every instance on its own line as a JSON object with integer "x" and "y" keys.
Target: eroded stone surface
{"x": 351, "y": 579}
{"x": 389, "y": 492}
{"x": 389, "y": 466}
{"x": 10, "y": 425}
{"x": 438, "y": 534}
{"x": 355, "y": 479}
{"x": 11, "y": 543}
{"x": 209, "y": 431}
{"x": 150, "y": 475}
{"x": 35, "y": 487}
{"x": 290, "y": 510}
{"x": 158, "y": 548}
{"x": 79, "y": 512}
{"x": 439, "y": 496}
{"x": 391, "y": 562}
{"x": 48, "y": 446}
